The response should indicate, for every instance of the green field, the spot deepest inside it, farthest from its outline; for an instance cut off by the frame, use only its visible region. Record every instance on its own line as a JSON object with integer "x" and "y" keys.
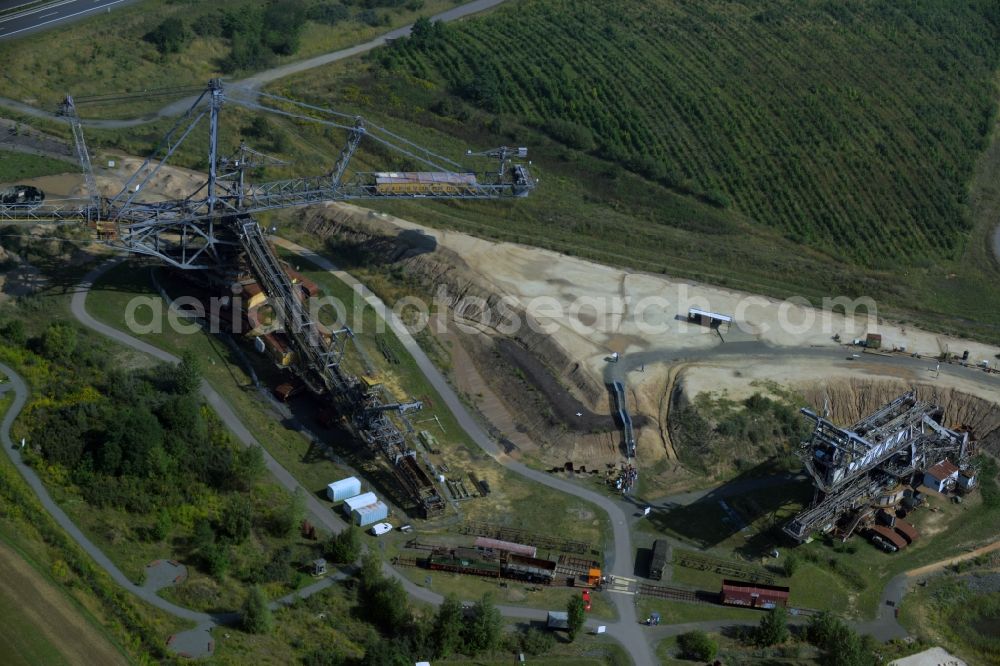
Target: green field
{"x": 753, "y": 109}
{"x": 21, "y": 166}
{"x": 816, "y": 148}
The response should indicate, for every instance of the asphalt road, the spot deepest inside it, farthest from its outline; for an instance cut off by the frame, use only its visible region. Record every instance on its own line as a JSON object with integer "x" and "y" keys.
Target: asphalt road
{"x": 35, "y": 19}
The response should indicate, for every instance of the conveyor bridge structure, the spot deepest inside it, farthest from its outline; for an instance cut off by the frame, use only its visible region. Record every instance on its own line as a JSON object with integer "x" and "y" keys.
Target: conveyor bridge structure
{"x": 621, "y": 409}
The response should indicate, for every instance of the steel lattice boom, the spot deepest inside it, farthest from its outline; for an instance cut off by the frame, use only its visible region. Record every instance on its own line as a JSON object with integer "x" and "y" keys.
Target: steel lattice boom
{"x": 200, "y": 230}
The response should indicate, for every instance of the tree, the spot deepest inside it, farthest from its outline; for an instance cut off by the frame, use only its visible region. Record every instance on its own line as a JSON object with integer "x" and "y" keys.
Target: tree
{"x": 169, "y": 37}
{"x": 187, "y": 374}
{"x": 385, "y": 604}
{"x": 161, "y": 526}
{"x": 14, "y": 333}
{"x": 821, "y": 629}
{"x": 482, "y": 632}
{"x": 697, "y": 645}
{"x": 447, "y": 629}
{"x": 345, "y": 546}
{"x": 773, "y": 628}
{"x": 282, "y": 27}
{"x": 58, "y": 343}
{"x": 285, "y": 520}
{"x": 256, "y": 616}
{"x": 237, "y": 519}
{"x": 575, "y": 609}
{"x": 246, "y": 466}
{"x": 791, "y": 565}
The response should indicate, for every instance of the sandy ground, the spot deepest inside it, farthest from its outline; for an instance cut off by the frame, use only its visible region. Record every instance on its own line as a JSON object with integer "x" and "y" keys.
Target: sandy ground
{"x": 53, "y": 615}
{"x": 169, "y": 183}
{"x": 594, "y": 310}
{"x": 740, "y": 378}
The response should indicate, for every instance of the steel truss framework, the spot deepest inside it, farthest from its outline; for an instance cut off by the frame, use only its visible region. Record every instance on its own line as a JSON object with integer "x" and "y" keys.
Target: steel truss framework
{"x": 851, "y": 466}
{"x": 213, "y": 227}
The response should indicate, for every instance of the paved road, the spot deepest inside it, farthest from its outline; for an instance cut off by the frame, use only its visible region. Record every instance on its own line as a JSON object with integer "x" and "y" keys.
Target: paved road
{"x": 259, "y": 79}
{"x": 34, "y": 19}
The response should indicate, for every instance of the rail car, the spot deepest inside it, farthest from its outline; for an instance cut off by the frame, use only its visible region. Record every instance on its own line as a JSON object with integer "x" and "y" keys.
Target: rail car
{"x": 514, "y": 567}
{"x": 426, "y": 183}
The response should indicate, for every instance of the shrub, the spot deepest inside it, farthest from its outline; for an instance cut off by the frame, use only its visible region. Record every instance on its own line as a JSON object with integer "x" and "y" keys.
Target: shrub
{"x": 171, "y": 36}
{"x": 255, "y": 616}
{"x": 697, "y": 645}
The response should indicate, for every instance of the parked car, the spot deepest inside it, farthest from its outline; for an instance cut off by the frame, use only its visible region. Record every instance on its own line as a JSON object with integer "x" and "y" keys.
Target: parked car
{"x": 378, "y": 529}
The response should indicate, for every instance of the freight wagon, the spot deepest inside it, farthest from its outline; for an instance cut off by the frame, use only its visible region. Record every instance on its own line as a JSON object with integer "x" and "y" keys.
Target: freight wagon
{"x": 514, "y": 567}
{"x": 426, "y": 183}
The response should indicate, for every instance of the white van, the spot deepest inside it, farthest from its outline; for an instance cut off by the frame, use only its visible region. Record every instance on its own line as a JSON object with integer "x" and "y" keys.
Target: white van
{"x": 378, "y": 529}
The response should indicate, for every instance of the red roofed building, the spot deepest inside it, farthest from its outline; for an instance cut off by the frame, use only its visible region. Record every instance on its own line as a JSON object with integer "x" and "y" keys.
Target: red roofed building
{"x": 888, "y": 537}
{"x": 737, "y": 593}
{"x": 940, "y": 476}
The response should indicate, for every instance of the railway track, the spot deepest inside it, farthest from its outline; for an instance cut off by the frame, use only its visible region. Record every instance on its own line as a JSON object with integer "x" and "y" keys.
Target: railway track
{"x": 676, "y": 593}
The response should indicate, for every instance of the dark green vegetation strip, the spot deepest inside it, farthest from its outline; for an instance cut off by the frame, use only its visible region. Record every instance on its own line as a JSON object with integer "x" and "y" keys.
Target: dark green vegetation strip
{"x": 20, "y": 166}
{"x": 842, "y": 125}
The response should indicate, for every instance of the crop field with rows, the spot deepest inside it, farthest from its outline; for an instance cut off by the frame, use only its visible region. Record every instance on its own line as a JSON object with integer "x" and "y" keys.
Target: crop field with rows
{"x": 849, "y": 126}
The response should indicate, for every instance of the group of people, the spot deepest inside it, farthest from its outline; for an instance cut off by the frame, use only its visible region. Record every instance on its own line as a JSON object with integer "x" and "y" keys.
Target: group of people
{"x": 625, "y": 480}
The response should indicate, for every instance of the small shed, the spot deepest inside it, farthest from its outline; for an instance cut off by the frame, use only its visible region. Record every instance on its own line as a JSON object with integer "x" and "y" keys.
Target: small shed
{"x": 486, "y": 544}
{"x": 358, "y": 501}
{"x": 739, "y": 593}
{"x": 343, "y": 489}
{"x": 369, "y": 514}
{"x": 710, "y": 319}
{"x": 319, "y": 567}
{"x": 966, "y": 480}
{"x": 941, "y": 475}
{"x": 558, "y": 620}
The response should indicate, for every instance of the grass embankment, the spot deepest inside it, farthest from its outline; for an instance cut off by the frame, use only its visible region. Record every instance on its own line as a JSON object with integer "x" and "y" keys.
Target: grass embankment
{"x": 16, "y": 166}
{"x": 808, "y": 173}
{"x": 108, "y": 53}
